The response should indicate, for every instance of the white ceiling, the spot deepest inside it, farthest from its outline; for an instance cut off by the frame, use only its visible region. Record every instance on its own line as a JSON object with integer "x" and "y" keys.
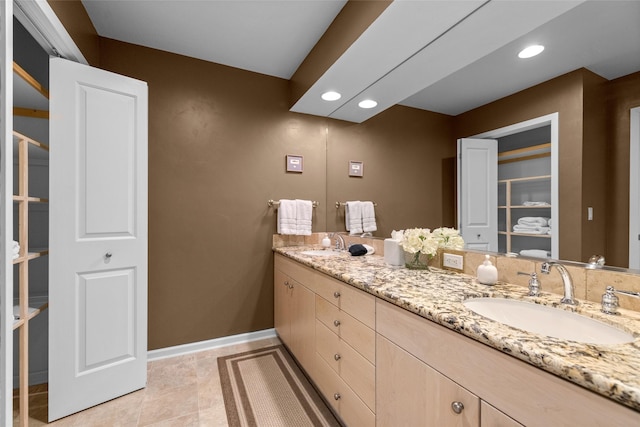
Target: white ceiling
{"x": 443, "y": 56}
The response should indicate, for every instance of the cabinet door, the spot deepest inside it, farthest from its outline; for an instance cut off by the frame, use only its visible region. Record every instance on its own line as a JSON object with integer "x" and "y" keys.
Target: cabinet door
{"x": 410, "y": 393}
{"x": 491, "y": 417}
{"x": 282, "y": 307}
{"x": 303, "y": 321}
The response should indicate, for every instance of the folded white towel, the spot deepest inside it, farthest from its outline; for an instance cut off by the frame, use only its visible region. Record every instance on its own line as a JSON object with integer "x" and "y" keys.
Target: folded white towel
{"x": 368, "y": 217}
{"x": 549, "y": 224}
{"x": 530, "y": 229}
{"x": 16, "y": 247}
{"x": 304, "y": 213}
{"x": 535, "y": 253}
{"x": 287, "y": 217}
{"x": 533, "y": 221}
{"x": 353, "y": 217}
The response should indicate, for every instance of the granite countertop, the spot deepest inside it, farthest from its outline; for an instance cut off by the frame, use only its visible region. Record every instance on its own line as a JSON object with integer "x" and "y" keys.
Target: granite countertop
{"x": 610, "y": 370}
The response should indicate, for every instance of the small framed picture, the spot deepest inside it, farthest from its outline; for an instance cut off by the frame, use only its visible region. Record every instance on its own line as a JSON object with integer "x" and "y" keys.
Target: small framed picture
{"x": 294, "y": 163}
{"x": 356, "y": 168}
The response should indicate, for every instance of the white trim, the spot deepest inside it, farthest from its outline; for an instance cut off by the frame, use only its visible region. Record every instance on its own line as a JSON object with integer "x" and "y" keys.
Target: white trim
{"x": 553, "y": 120}
{"x": 194, "y": 347}
{"x": 6, "y": 212}
{"x": 43, "y": 24}
{"x": 634, "y": 189}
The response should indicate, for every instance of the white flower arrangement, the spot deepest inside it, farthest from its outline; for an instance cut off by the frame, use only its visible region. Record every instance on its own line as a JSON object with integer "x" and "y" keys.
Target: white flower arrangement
{"x": 425, "y": 241}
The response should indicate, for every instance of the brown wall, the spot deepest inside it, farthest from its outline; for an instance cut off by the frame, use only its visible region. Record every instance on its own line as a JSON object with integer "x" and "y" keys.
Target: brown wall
{"x": 565, "y": 95}
{"x": 622, "y": 95}
{"x": 218, "y": 137}
{"x": 403, "y": 150}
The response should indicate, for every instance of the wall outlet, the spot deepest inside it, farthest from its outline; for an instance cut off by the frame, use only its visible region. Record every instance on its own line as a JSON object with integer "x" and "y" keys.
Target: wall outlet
{"x": 453, "y": 261}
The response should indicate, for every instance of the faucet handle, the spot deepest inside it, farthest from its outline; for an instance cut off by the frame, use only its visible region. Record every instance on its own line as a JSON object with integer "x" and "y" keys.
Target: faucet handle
{"x": 534, "y": 283}
{"x": 609, "y": 301}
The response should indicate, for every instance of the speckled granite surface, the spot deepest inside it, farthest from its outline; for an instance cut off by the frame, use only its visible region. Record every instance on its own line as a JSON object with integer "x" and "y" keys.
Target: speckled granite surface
{"x": 612, "y": 371}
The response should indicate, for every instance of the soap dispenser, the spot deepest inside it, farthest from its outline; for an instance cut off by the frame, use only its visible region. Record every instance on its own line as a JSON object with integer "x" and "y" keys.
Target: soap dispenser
{"x": 487, "y": 273}
{"x": 326, "y": 242}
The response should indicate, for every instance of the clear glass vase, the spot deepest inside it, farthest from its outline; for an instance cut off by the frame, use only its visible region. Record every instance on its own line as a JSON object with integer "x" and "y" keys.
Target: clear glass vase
{"x": 417, "y": 261}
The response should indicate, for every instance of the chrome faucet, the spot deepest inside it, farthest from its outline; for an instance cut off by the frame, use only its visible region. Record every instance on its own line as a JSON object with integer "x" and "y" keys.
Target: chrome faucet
{"x": 341, "y": 245}
{"x": 566, "y": 281}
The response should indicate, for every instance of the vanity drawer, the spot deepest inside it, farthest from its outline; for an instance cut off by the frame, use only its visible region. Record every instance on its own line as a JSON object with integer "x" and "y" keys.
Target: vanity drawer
{"x": 354, "y": 332}
{"x": 353, "y": 411}
{"x": 351, "y": 366}
{"x": 357, "y": 303}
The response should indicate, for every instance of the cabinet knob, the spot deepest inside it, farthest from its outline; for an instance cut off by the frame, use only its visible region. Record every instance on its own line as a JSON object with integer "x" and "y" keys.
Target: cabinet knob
{"x": 336, "y": 396}
{"x": 337, "y": 356}
{"x": 286, "y": 283}
{"x": 336, "y": 294}
{"x": 457, "y": 407}
{"x": 336, "y": 323}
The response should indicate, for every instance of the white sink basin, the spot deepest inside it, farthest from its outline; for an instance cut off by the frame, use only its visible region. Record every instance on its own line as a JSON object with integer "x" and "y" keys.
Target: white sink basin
{"x": 320, "y": 252}
{"x": 548, "y": 321}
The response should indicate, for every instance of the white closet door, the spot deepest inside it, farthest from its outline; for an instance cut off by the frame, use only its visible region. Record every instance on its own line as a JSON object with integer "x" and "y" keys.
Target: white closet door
{"x": 98, "y": 237}
{"x": 478, "y": 193}
{"x": 6, "y": 213}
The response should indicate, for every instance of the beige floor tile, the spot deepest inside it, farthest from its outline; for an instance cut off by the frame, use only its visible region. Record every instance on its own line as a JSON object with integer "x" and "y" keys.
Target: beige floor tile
{"x": 181, "y": 391}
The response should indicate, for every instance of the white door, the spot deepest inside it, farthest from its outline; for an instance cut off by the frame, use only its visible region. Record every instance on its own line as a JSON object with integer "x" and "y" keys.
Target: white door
{"x": 634, "y": 189}
{"x": 478, "y": 193}
{"x": 98, "y": 237}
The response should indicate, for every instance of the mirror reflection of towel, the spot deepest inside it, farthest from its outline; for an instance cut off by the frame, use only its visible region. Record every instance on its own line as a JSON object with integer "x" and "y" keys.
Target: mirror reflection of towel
{"x": 368, "y": 217}
{"x": 353, "y": 217}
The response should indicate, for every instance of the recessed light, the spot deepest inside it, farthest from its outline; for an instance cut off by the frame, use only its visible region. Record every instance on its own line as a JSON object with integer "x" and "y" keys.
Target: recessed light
{"x": 331, "y": 96}
{"x": 367, "y": 103}
{"x": 530, "y": 51}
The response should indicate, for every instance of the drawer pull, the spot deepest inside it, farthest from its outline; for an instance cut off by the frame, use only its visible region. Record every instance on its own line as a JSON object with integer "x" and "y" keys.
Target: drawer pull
{"x": 457, "y": 407}
{"x": 337, "y": 356}
{"x": 336, "y": 323}
{"x": 336, "y": 294}
{"x": 336, "y": 396}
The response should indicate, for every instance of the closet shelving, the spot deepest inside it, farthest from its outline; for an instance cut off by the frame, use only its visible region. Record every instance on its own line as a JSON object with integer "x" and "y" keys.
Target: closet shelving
{"x": 512, "y": 195}
{"x": 30, "y": 101}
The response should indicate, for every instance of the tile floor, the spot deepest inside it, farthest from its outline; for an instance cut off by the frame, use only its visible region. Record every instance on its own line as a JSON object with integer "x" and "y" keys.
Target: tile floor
{"x": 181, "y": 391}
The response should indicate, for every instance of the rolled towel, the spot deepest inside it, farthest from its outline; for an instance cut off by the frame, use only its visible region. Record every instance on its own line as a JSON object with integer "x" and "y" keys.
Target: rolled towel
{"x": 533, "y": 221}
{"x": 304, "y": 213}
{"x": 535, "y": 253}
{"x": 368, "y": 217}
{"x": 530, "y": 229}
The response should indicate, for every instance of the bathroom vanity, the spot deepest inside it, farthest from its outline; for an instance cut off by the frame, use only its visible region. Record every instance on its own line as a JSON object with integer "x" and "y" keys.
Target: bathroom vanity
{"x": 390, "y": 346}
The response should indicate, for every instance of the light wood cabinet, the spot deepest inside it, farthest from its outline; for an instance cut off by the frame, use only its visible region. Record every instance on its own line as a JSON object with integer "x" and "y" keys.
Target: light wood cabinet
{"x": 491, "y": 417}
{"x": 411, "y": 393}
{"x": 528, "y": 395}
{"x": 294, "y": 317}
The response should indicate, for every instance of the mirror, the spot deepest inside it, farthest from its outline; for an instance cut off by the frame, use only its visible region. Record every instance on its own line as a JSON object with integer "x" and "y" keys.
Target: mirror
{"x": 590, "y": 131}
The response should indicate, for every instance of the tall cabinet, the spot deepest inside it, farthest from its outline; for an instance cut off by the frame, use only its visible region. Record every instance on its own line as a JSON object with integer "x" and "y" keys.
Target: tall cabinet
{"x": 30, "y": 200}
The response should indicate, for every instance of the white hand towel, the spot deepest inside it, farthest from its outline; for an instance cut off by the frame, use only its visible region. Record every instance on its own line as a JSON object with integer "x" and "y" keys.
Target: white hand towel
{"x": 368, "y": 217}
{"x": 304, "y": 213}
{"x": 535, "y": 253}
{"x": 533, "y": 221}
{"x": 529, "y": 229}
{"x": 287, "y": 217}
{"x": 353, "y": 217}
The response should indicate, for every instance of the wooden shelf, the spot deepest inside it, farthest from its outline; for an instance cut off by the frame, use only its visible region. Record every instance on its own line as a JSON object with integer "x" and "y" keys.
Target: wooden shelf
{"x": 528, "y": 178}
{"x": 36, "y": 306}
{"x": 527, "y": 153}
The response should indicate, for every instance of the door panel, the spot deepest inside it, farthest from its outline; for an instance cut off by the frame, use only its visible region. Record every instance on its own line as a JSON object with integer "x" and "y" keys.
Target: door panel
{"x": 478, "y": 192}
{"x": 98, "y": 237}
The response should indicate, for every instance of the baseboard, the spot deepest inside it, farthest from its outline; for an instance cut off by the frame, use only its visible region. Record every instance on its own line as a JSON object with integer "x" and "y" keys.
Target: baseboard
{"x": 38, "y": 377}
{"x": 179, "y": 350}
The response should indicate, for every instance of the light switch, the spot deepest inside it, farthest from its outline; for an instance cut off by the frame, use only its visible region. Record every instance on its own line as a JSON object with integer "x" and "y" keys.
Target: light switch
{"x": 589, "y": 213}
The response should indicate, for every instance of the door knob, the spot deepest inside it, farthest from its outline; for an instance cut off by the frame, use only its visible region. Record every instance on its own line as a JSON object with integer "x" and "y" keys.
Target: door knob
{"x": 108, "y": 255}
